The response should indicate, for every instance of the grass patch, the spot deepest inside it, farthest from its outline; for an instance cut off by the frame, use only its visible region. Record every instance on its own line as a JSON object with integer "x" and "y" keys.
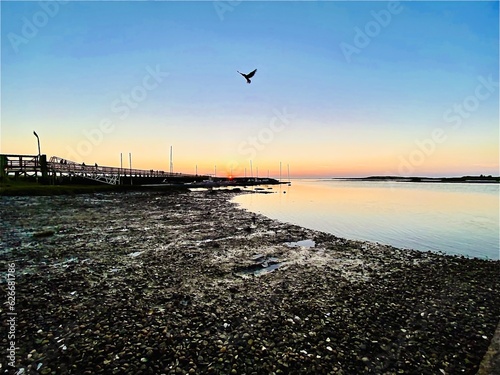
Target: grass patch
{"x": 23, "y": 187}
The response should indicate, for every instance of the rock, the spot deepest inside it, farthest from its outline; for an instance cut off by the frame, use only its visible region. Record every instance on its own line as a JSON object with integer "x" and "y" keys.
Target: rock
{"x": 44, "y": 233}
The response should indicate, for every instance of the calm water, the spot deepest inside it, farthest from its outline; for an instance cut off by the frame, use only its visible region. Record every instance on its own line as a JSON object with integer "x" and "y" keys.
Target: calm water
{"x": 453, "y": 218}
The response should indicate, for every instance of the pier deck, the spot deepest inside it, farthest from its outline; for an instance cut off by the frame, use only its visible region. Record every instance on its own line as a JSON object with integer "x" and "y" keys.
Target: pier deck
{"x": 57, "y": 168}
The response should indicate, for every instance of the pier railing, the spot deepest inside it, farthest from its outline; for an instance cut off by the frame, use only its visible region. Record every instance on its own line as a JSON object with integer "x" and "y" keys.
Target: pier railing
{"x": 22, "y": 165}
{"x": 109, "y": 175}
{"x": 38, "y": 166}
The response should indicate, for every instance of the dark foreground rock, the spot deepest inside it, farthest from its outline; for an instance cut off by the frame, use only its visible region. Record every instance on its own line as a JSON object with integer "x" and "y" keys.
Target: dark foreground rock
{"x": 157, "y": 283}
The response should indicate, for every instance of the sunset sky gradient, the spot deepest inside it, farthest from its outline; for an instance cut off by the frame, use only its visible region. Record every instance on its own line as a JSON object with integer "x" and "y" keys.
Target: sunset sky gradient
{"x": 342, "y": 88}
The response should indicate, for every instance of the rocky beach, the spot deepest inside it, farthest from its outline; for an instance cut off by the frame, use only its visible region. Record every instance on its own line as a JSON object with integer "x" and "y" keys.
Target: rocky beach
{"x": 188, "y": 283}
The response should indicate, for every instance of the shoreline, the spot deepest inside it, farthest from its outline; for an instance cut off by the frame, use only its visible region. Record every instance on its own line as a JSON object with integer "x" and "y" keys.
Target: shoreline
{"x": 32, "y": 188}
{"x": 165, "y": 283}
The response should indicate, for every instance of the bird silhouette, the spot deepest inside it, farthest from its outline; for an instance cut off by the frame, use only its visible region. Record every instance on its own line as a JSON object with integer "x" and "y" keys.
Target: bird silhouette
{"x": 248, "y": 76}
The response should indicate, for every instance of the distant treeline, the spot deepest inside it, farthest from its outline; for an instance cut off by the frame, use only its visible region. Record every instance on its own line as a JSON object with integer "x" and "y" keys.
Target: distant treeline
{"x": 480, "y": 178}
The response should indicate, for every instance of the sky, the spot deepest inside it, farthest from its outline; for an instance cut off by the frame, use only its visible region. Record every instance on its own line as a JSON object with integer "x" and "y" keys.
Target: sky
{"x": 342, "y": 88}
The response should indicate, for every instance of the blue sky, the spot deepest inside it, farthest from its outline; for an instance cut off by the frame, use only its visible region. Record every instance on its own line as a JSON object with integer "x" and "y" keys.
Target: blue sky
{"x": 361, "y": 115}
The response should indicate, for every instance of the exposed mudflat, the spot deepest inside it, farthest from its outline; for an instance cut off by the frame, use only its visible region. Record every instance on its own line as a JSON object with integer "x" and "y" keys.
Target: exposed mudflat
{"x": 154, "y": 283}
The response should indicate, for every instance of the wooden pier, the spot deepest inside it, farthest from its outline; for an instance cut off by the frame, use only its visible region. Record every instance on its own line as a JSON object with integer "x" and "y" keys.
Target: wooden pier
{"x": 59, "y": 171}
{"x": 62, "y": 170}
{"x": 23, "y": 165}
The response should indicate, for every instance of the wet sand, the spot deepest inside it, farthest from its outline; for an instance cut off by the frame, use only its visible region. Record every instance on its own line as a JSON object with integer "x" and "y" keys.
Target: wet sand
{"x": 156, "y": 283}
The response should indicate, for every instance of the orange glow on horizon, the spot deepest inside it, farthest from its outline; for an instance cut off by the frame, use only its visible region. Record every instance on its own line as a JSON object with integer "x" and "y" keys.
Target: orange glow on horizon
{"x": 310, "y": 163}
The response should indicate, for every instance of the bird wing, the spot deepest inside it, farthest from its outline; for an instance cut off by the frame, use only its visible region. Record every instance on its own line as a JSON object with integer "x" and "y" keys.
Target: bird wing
{"x": 251, "y": 74}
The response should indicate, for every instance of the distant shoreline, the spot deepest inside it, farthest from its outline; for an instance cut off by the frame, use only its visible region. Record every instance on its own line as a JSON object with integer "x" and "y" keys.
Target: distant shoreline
{"x": 463, "y": 179}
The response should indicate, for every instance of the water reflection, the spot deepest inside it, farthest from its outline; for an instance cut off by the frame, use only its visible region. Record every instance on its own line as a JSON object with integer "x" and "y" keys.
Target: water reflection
{"x": 454, "y": 218}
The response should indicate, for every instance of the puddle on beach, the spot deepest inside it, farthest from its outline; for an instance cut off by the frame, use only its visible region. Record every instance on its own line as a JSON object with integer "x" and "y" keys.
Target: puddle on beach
{"x": 262, "y": 265}
{"x": 303, "y": 243}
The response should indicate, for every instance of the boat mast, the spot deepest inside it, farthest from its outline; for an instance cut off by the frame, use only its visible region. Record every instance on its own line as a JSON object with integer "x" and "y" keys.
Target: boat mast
{"x": 171, "y": 161}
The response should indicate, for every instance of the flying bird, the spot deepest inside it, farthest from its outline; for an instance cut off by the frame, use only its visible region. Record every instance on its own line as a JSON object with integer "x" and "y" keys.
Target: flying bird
{"x": 248, "y": 76}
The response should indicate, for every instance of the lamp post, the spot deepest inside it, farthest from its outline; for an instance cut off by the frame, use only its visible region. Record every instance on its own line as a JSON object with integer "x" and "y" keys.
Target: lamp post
{"x": 37, "y": 160}
{"x": 38, "y": 139}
